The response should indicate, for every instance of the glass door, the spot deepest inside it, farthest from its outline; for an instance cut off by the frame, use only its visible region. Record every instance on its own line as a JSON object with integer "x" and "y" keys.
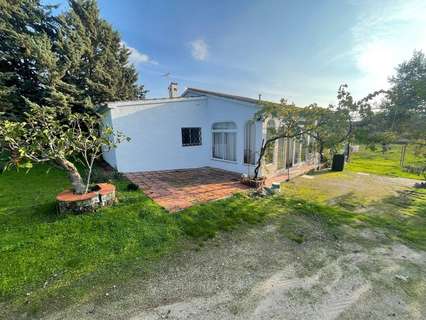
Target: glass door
{"x": 281, "y": 153}
{"x": 289, "y": 153}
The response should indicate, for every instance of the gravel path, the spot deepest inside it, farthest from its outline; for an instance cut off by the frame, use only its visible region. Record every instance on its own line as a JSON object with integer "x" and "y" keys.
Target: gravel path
{"x": 259, "y": 274}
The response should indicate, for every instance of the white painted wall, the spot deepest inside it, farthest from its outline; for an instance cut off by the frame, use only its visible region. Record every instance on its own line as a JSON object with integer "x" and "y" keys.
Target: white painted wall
{"x": 223, "y": 110}
{"x": 155, "y": 131}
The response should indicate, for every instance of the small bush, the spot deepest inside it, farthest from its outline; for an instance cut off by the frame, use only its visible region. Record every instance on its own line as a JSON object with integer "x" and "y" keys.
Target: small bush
{"x": 132, "y": 187}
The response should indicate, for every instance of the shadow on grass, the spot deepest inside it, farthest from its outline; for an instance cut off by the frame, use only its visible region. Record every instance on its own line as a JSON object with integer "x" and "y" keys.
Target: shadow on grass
{"x": 320, "y": 172}
{"x": 348, "y": 201}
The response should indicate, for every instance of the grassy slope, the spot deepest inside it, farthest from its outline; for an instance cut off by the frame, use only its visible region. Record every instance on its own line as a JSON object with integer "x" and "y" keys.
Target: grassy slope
{"x": 386, "y": 164}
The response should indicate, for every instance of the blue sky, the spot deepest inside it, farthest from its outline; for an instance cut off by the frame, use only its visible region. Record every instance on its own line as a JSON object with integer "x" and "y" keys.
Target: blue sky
{"x": 300, "y": 50}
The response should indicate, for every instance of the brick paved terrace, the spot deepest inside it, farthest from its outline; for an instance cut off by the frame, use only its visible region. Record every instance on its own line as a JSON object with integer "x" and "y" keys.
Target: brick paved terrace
{"x": 294, "y": 172}
{"x": 179, "y": 189}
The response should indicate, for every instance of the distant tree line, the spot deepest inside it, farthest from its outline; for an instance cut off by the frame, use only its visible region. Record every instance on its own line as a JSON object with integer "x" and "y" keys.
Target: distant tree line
{"x": 400, "y": 116}
{"x": 74, "y": 60}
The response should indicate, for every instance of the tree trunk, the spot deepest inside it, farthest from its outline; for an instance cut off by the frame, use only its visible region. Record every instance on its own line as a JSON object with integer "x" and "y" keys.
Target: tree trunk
{"x": 73, "y": 174}
{"x": 348, "y": 151}
{"x": 259, "y": 161}
{"x": 265, "y": 144}
{"x": 321, "y": 152}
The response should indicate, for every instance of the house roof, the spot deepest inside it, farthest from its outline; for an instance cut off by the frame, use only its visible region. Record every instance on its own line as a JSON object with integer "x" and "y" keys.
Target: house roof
{"x": 202, "y": 92}
{"x": 118, "y": 104}
{"x": 188, "y": 94}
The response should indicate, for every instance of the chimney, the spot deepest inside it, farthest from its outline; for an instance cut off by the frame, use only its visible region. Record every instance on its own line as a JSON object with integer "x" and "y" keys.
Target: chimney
{"x": 173, "y": 90}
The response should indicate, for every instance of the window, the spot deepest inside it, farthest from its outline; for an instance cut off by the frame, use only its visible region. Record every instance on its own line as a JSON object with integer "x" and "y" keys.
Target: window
{"x": 289, "y": 153}
{"x": 304, "y": 156}
{"x": 250, "y": 143}
{"x": 281, "y": 153}
{"x": 270, "y": 150}
{"x": 224, "y": 141}
{"x": 191, "y": 137}
{"x": 310, "y": 149}
{"x": 297, "y": 147}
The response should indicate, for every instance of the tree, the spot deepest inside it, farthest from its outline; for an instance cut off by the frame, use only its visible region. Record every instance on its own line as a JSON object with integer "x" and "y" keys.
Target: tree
{"x": 373, "y": 130}
{"x": 330, "y": 127}
{"x": 27, "y": 61}
{"x": 50, "y": 134}
{"x": 294, "y": 122}
{"x": 402, "y": 115}
{"x": 75, "y": 60}
{"x": 351, "y": 111}
{"x": 100, "y": 70}
{"x": 333, "y": 129}
{"x": 405, "y": 107}
{"x": 141, "y": 93}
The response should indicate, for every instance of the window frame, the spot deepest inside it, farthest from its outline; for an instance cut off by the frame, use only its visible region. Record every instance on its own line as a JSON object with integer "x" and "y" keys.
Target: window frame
{"x": 250, "y": 143}
{"x": 192, "y": 144}
{"x": 223, "y": 133}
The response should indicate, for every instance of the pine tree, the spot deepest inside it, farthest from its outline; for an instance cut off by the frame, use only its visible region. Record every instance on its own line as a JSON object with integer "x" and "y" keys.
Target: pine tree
{"x": 73, "y": 62}
{"x": 99, "y": 69}
{"x": 27, "y": 58}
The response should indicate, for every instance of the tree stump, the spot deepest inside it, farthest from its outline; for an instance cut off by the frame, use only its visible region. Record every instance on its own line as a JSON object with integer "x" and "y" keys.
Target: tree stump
{"x": 102, "y": 195}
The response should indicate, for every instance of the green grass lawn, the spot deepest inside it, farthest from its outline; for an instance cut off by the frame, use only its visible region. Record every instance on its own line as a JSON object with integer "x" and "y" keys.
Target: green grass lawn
{"x": 42, "y": 253}
{"x": 46, "y": 256}
{"x": 386, "y": 164}
{"x": 359, "y": 201}
{"x": 48, "y": 259}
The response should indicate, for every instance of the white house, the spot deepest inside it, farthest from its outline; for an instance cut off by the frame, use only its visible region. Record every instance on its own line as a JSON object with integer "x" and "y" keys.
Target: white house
{"x": 197, "y": 129}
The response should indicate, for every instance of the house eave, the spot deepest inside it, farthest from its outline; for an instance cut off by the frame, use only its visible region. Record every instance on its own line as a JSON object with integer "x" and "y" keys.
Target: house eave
{"x": 132, "y": 103}
{"x": 224, "y": 96}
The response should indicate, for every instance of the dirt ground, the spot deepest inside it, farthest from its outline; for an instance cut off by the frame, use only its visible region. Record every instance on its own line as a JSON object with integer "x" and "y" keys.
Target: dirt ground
{"x": 258, "y": 273}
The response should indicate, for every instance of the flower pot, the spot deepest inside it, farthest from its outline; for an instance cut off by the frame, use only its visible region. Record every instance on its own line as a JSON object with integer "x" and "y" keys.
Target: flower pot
{"x": 253, "y": 183}
{"x": 102, "y": 195}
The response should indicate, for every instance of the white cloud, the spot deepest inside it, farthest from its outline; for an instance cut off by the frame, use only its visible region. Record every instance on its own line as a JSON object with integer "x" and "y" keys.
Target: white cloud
{"x": 136, "y": 57}
{"x": 385, "y": 36}
{"x": 199, "y": 49}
